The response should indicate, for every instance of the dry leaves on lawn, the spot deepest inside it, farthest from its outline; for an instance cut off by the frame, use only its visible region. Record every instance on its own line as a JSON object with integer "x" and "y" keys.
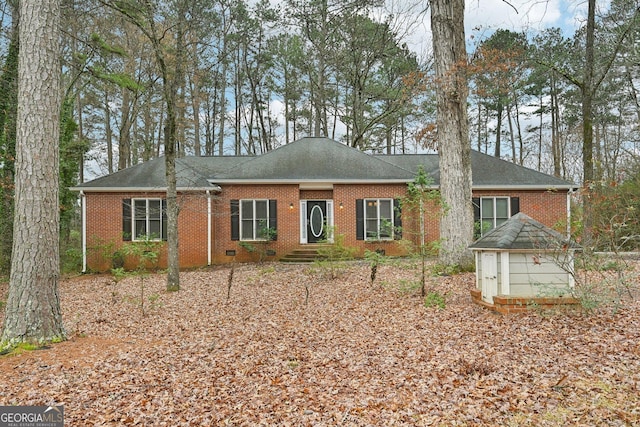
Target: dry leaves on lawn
{"x": 356, "y": 355}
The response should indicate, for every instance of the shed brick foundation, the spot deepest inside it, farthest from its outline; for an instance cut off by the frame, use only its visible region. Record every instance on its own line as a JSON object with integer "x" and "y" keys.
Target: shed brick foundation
{"x": 505, "y": 304}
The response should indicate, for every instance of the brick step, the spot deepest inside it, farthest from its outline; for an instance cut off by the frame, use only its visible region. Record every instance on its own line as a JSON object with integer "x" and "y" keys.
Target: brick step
{"x": 304, "y": 254}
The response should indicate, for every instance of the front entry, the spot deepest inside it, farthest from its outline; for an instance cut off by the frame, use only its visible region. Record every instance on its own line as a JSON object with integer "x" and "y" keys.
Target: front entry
{"x": 316, "y": 220}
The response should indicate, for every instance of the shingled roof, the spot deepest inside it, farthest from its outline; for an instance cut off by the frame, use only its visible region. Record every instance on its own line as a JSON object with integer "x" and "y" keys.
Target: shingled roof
{"x": 523, "y": 232}
{"x": 315, "y": 159}
{"x": 309, "y": 160}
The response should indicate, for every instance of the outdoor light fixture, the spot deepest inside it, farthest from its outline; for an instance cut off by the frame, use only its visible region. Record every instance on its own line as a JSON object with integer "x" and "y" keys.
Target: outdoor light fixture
{"x": 290, "y": 205}
{"x": 341, "y": 205}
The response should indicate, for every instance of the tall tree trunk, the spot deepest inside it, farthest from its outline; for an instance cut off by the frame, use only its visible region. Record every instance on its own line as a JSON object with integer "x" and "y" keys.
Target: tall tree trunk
{"x": 8, "y": 117}
{"x": 555, "y": 127}
{"x": 587, "y": 97}
{"x": 512, "y": 137}
{"x": 108, "y": 134}
{"x": 172, "y": 83}
{"x": 33, "y": 305}
{"x": 518, "y": 128}
{"x": 286, "y": 101}
{"x": 181, "y": 119}
{"x": 223, "y": 109}
{"x": 450, "y": 59}
{"x": 479, "y": 127}
{"x": 173, "y": 264}
{"x": 172, "y": 73}
{"x": 540, "y": 132}
{"x": 238, "y": 104}
{"x": 124, "y": 138}
{"x": 79, "y": 109}
{"x": 195, "y": 105}
{"x": 587, "y": 89}
{"x": 498, "y": 152}
{"x": 632, "y": 90}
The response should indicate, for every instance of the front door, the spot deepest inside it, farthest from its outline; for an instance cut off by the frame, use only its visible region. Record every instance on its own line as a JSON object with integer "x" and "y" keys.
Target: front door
{"x": 316, "y": 221}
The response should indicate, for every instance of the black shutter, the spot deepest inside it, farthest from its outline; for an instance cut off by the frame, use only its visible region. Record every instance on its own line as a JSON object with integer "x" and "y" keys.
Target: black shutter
{"x": 164, "y": 220}
{"x": 397, "y": 219}
{"x": 477, "y": 226}
{"x": 515, "y": 205}
{"x": 235, "y": 220}
{"x": 476, "y": 209}
{"x": 273, "y": 218}
{"x": 126, "y": 220}
{"x": 359, "y": 219}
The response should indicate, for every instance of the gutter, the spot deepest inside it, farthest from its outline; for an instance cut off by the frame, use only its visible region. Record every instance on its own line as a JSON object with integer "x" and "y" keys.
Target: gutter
{"x": 140, "y": 189}
{"x": 567, "y": 187}
{"x": 309, "y": 181}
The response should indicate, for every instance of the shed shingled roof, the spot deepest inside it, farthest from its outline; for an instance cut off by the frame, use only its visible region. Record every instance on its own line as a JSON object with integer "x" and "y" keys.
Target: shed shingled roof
{"x": 316, "y": 159}
{"x": 523, "y": 232}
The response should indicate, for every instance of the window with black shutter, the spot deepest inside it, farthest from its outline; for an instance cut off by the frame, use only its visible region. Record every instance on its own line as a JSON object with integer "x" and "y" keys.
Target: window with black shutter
{"x": 491, "y": 212}
{"x": 376, "y": 219}
{"x": 144, "y": 219}
{"x": 254, "y": 219}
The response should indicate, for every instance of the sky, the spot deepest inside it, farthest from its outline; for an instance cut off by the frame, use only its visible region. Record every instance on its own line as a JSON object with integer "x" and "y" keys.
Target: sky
{"x": 483, "y": 17}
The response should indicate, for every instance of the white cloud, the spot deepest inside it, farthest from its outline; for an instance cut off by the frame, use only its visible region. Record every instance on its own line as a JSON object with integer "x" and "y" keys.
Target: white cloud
{"x": 517, "y": 15}
{"x": 483, "y": 17}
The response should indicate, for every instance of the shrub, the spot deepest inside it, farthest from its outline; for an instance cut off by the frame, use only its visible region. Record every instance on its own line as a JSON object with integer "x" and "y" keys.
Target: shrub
{"x": 435, "y": 299}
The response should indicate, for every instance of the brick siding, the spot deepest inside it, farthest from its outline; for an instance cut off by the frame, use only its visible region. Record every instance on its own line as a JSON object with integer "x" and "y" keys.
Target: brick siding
{"x": 104, "y": 219}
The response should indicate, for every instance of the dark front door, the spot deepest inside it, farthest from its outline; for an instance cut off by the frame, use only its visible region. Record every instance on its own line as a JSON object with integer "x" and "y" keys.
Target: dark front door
{"x": 316, "y": 221}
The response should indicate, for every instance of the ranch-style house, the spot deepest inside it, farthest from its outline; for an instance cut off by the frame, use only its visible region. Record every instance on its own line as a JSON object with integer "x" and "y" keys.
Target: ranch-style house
{"x": 294, "y": 197}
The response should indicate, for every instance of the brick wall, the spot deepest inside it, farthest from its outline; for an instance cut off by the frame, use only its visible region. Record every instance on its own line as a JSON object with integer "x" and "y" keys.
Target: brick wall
{"x": 105, "y": 233}
{"x": 104, "y": 219}
{"x": 288, "y": 219}
{"x": 547, "y": 207}
{"x": 345, "y": 218}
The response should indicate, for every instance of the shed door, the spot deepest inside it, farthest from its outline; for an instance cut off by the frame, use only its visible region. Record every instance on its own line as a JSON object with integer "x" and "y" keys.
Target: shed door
{"x": 489, "y": 276}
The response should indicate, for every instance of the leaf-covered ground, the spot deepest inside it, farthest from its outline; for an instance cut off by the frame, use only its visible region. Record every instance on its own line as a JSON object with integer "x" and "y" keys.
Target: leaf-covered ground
{"x": 355, "y": 355}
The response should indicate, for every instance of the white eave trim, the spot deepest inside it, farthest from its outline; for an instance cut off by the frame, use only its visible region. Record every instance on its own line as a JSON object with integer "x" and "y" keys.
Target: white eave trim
{"x": 525, "y": 187}
{"x": 527, "y": 251}
{"x": 311, "y": 181}
{"x": 214, "y": 188}
{"x": 313, "y": 184}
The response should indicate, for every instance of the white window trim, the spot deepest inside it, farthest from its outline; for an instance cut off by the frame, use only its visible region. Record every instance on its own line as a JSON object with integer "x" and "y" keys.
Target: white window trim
{"x": 377, "y": 202}
{"x": 303, "y": 221}
{"x": 134, "y": 230}
{"x": 254, "y": 237}
{"x": 494, "y": 218}
{"x": 330, "y": 221}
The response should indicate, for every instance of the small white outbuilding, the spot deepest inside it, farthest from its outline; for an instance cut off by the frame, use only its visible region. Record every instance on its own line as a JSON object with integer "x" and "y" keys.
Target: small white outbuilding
{"x": 521, "y": 263}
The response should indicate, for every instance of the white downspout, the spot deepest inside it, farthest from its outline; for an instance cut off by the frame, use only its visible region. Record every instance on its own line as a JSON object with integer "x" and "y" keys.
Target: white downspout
{"x": 83, "y": 207}
{"x": 209, "y": 216}
{"x": 569, "y": 213}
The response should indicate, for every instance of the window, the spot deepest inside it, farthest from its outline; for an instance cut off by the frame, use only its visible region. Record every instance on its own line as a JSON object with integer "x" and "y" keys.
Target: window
{"x": 147, "y": 219}
{"x": 253, "y": 219}
{"x": 377, "y": 219}
{"x": 144, "y": 219}
{"x": 490, "y": 212}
